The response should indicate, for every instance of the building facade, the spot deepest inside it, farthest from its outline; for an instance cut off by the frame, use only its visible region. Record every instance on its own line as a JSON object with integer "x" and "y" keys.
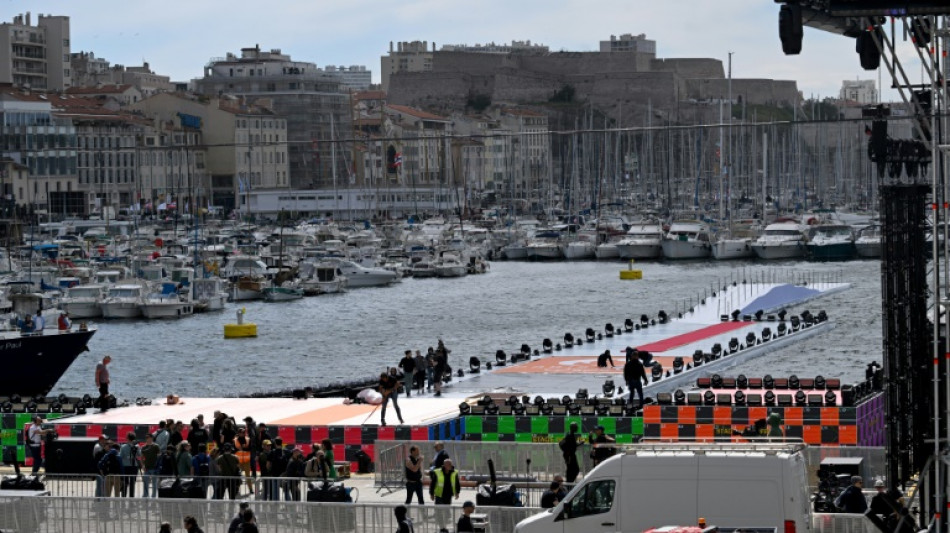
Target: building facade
{"x": 354, "y": 77}
{"x": 859, "y": 91}
{"x": 91, "y": 71}
{"x": 412, "y": 56}
{"x": 35, "y": 57}
{"x": 313, "y": 103}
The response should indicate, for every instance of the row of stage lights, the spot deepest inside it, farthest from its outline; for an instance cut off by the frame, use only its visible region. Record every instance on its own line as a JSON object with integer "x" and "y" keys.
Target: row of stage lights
{"x": 794, "y": 324}
{"x": 564, "y": 406}
{"x": 43, "y": 405}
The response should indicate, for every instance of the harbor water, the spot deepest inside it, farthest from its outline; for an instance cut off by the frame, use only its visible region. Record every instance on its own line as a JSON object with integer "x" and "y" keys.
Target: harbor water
{"x": 325, "y": 339}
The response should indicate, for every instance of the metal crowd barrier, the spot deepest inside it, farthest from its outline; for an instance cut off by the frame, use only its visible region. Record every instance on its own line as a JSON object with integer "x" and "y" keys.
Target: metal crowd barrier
{"x": 122, "y": 515}
{"x": 471, "y": 460}
{"x": 53, "y": 514}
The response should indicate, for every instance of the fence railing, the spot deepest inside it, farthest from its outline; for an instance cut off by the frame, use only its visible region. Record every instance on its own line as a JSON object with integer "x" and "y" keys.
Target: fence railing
{"x": 470, "y": 458}
{"x": 117, "y": 515}
{"x": 519, "y": 461}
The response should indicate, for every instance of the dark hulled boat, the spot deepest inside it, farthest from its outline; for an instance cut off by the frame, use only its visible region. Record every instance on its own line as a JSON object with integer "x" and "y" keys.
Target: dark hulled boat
{"x": 33, "y": 363}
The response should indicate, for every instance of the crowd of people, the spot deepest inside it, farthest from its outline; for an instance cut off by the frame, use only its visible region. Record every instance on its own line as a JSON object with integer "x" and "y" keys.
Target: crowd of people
{"x": 217, "y": 456}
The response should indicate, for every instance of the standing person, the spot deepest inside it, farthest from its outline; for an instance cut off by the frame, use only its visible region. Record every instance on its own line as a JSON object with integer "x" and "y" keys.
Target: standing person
{"x": 228, "y": 432}
{"x": 217, "y": 422}
{"x": 197, "y": 435}
{"x": 633, "y": 373}
{"x": 244, "y": 453}
{"x": 98, "y": 452}
{"x": 39, "y": 323}
{"x": 327, "y": 445}
{"x": 602, "y": 445}
{"x": 150, "y": 453}
{"x": 296, "y": 470}
{"x": 201, "y": 466}
{"x": 255, "y": 443}
{"x": 440, "y": 455}
{"x": 183, "y": 459}
{"x": 264, "y": 460}
{"x": 63, "y": 323}
{"x": 167, "y": 466}
{"x": 414, "y": 475}
{"x": 389, "y": 388}
{"x": 438, "y": 373}
{"x": 162, "y": 436}
{"x": 851, "y": 500}
{"x": 176, "y": 436}
{"x": 465, "y": 521}
{"x": 430, "y": 368}
{"x": 110, "y": 467}
{"x": 404, "y": 524}
{"x": 230, "y": 467}
{"x": 445, "y": 484}
{"x": 34, "y": 436}
{"x": 316, "y": 466}
{"x": 236, "y": 522}
{"x": 568, "y": 447}
{"x": 420, "y": 374}
{"x": 129, "y": 454}
{"x": 191, "y": 525}
{"x": 408, "y": 366}
{"x": 102, "y": 383}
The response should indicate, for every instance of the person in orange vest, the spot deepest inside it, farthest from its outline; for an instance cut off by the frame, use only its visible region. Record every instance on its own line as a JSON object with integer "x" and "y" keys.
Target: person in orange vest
{"x": 242, "y": 450}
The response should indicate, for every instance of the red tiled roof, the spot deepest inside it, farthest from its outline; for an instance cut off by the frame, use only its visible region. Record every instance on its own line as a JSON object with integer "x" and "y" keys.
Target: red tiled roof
{"x": 523, "y": 112}
{"x": 413, "y": 112}
{"x": 105, "y": 89}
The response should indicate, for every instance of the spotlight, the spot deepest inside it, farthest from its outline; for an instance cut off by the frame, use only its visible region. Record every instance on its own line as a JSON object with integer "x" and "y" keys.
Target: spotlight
{"x": 768, "y": 382}
{"x": 698, "y": 357}
{"x": 796, "y": 323}
{"x": 464, "y": 408}
{"x": 574, "y": 409}
{"x": 568, "y": 340}
{"x": 602, "y": 410}
{"x": 782, "y": 329}
{"x": 609, "y": 329}
{"x": 474, "y": 365}
{"x": 656, "y": 372}
{"x": 819, "y": 382}
{"x": 750, "y": 339}
{"x": 491, "y": 409}
{"x": 679, "y": 397}
{"x": 501, "y": 358}
{"x": 742, "y": 382}
{"x": 769, "y": 397}
{"x": 512, "y": 400}
{"x": 609, "y": 388}
{"x": 581, "y": 394}
{"x": 758, "y": 315}
{"x": 793, "y": 382}
{"x": 709, "y": 397}
{"x": 733, "y": 345}
{"x": 525, "y": 350}
{"x": 662, "y": 317}
{"x": 485, "y": 400}
{"x": 766, "y": 334}
{"x": 590, "y": 334}
{"x": 800, "y": 398}
{"x": 565, "y": 400}
{"x": 526, "y": 399}
{"x": 547, "y": 409}
{"x": 518, "y": 409}
{"x": 830, "y": 398}
{"x": 781, "y": 314}
{"x": 538, "y": 401}
{"x": 547, "y": 345}
{"x": 628, "y": 325}
{"x": 488, "y": 365}
{"x": 677, "y": 365}
{"x": 716, "y": 381}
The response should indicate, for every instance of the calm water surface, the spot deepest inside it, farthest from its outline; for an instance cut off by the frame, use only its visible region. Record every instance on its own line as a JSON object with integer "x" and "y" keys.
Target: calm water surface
{"x": 330, "y": 338}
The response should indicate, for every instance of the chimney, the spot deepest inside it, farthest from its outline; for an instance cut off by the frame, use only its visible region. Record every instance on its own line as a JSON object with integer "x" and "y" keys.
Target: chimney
{"x": 390, "y": 47}
{"x": 27, "y": 18}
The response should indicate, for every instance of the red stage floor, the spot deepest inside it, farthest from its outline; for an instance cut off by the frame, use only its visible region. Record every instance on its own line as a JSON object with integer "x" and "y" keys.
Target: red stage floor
{"x": 692, "y": 336}
{"x": 584, "y": 364}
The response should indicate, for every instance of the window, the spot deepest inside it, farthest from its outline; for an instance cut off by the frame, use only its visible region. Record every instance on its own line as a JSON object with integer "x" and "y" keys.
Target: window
{"x": 594, "y": 498}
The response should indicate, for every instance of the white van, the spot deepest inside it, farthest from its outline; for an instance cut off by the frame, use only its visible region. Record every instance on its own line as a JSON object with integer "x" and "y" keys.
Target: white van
{"x": 651, "y": 485}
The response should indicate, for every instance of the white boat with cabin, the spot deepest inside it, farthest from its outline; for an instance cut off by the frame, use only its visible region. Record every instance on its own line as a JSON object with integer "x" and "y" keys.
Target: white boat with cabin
{"x": 84, "y": 301}
{"x": 780, "y": 240}
{"x": 642, "y": 241}
{"x": 124, "y": 301}
{"x": 686, "y": 240}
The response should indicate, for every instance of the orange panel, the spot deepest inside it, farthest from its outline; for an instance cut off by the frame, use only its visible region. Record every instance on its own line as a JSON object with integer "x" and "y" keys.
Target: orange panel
{"x": 705, "y": 432}
{"x": 829, "y": 416}
{"x": 793, "y": 416}
{"x": 651, "y": 414}
{"x": 811, "y": 434}
{"x": 670, "y": 431}
{"x": 756, "y": 413}
{"x": 848, "y": 435}
{"x": 686, "y": 414}
{"x": 722, "y": 416}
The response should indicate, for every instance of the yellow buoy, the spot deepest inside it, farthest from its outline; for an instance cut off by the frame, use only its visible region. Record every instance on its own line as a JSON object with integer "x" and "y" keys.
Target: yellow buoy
{"x": 630, "y": 273}
{"x": 236, "y": 331}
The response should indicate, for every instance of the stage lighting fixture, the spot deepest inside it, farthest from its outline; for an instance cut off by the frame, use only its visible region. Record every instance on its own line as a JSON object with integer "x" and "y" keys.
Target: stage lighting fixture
{"x": 609, "y": 388}
{"x": 464, "y": 408}
{"x": 474, "y": 365}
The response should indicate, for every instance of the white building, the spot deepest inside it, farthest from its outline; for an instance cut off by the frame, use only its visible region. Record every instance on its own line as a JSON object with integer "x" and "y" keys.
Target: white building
{"x": 859, "y": 91}
{"x": 351, "y": 204}
{"x": 355, "y": 77}
{"x": 412, "y": 56}
{"x": 629, "y": 43}
{"x": 36, "y": 57}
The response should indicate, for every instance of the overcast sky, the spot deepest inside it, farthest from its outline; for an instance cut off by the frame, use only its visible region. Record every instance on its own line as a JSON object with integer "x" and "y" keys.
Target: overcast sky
{"x": 178, "y": 38}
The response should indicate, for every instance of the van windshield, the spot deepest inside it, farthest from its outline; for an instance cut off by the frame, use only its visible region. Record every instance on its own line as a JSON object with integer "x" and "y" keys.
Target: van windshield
{"x": 594, "y": 498}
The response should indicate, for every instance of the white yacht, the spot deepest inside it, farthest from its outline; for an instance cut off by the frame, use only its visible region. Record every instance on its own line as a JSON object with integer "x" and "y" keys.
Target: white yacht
{"x": 450, "y": 265}
{"x": 168, "y": 302}
{"x": 321, "y": 278}
{"x": 780, "y": 240}
{"x": 734, "y": 243}
{"x": 124, "y": 301}
{"x": 210, "y": 294}
{"x": 285, "y": 292}
{"x": 360, "y": 276}
{"x": 84, "y": 301}
{"x": 686, "y": 240}
{"x": 582, "y": 247}
{"x": 641, "y": 242}
{"x": 830, "y": 242}
{"x": 545, "y": 245}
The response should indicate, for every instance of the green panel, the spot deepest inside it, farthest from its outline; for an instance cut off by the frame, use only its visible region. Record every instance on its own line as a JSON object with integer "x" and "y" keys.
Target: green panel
{"x": 473, "y": 425}
{"x": 489, "y": 437}
{"x": 609, "y": 423}
{"x": 575, "y": 419}
{"x": 636, "y": 425}
{"x": 624, "y": 439}
{"x": 8, "y": 437}
{"x": 506, "y": 424}
{"x": 22, "y": 420}
{"x": 21, "y": 454}
{"x": 524, "y": 437}
{"x": 539, "y": 425}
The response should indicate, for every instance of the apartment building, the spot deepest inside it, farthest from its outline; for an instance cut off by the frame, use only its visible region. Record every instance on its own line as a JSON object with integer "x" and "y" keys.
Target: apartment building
{"x": 35, "y": 57}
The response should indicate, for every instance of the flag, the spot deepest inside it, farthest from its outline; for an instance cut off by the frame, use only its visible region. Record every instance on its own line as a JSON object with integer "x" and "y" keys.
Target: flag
{"x": 397, "y": 160}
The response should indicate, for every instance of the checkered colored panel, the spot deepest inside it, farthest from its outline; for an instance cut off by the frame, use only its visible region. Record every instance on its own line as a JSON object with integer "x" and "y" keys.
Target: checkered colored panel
{"x": 546, "y": 428}
{"x": 825, "y": 426}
